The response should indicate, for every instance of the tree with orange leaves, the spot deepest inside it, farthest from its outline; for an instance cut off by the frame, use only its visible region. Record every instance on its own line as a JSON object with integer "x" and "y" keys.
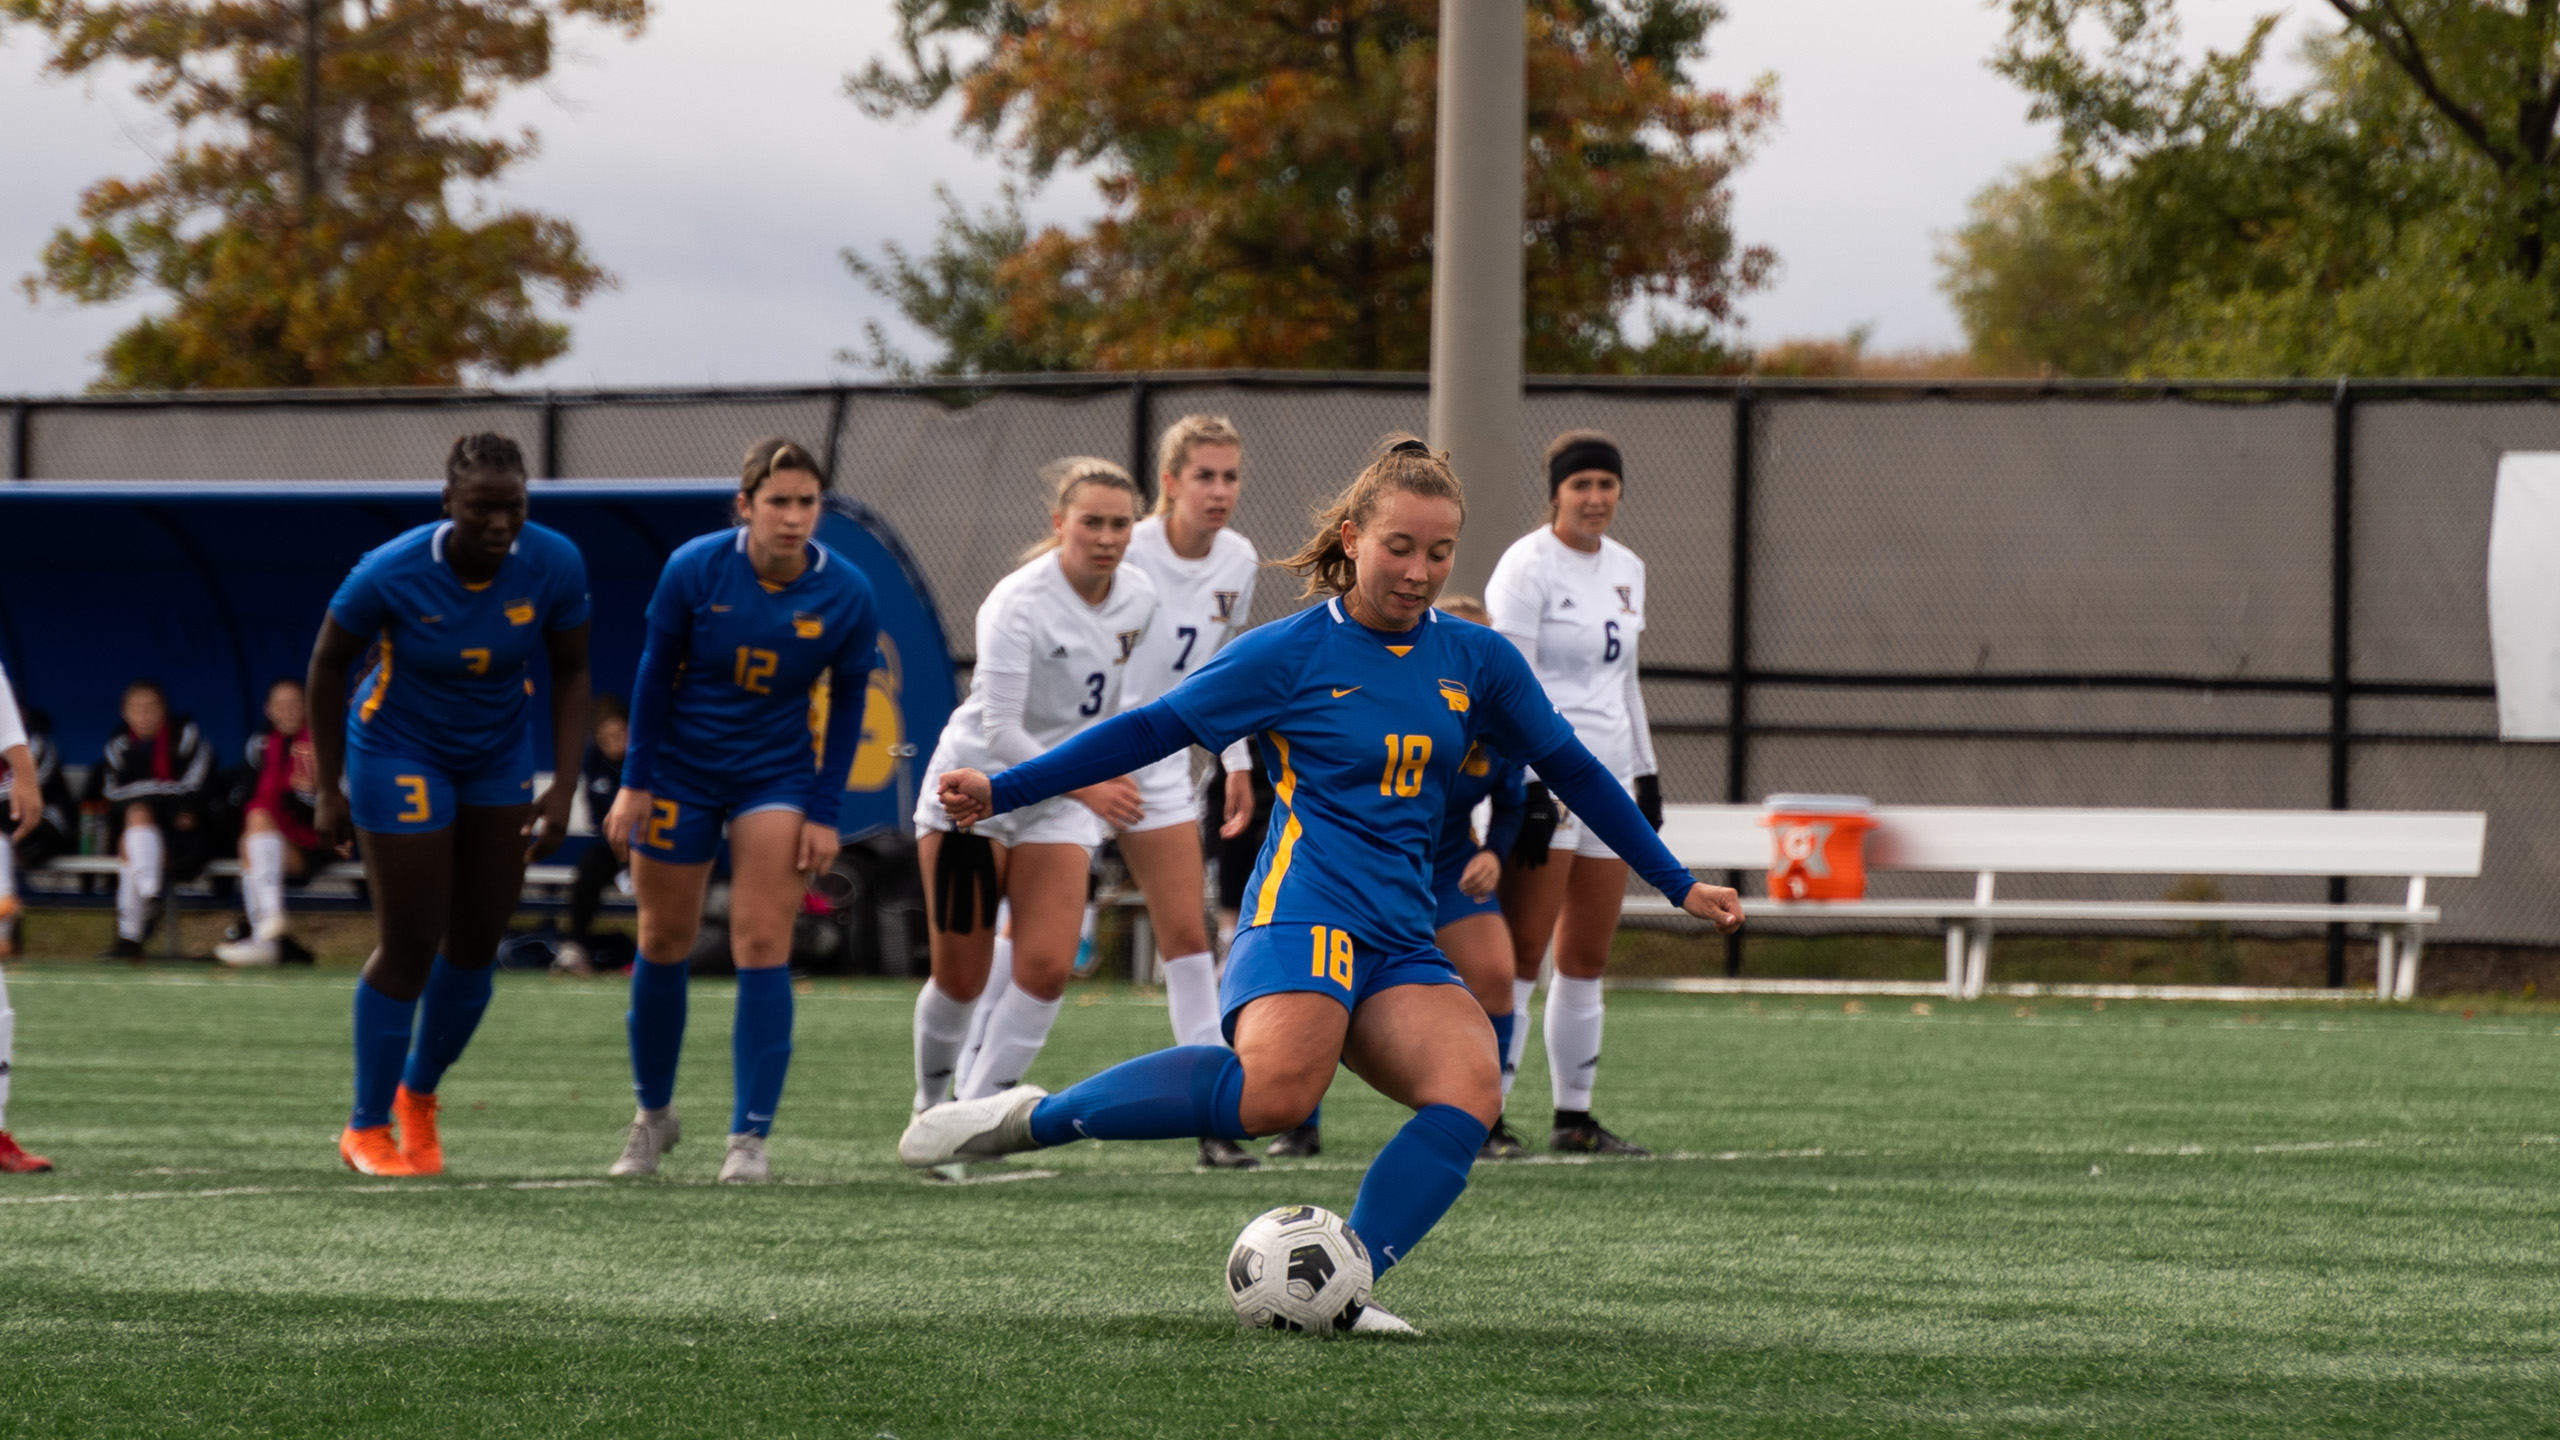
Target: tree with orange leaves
{"x": 304, "y": 226}
{"x": 1267, "y": 171}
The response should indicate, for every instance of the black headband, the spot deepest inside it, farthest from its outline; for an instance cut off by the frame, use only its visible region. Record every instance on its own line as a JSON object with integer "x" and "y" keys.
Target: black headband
{"x": 1409, "y": 447}
{"x": 1583, "y": 455}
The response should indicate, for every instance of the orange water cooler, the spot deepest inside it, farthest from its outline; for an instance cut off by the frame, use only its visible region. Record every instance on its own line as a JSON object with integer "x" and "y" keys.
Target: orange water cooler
{"x": 1818, "y": 846}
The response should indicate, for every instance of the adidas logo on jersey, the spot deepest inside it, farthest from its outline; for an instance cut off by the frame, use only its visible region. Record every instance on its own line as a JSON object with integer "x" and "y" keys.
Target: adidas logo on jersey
{"x": 1058, "y": 654}
{"x": 1566, "y": 603}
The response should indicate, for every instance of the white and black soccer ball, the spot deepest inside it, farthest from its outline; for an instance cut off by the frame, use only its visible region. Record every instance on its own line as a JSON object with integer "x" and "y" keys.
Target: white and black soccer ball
{"x": 1300, "y": 1267}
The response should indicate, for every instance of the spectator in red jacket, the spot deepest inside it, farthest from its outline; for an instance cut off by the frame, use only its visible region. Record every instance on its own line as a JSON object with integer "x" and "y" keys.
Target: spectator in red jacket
{"x": 154, "y": 776}
{"x": 277, "y": 843}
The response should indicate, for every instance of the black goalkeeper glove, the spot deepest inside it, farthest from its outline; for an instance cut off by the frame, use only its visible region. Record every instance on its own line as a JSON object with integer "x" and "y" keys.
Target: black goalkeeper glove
{"x": 964, "y": 883}
{"x": 1538, "y": 817}
{"x": 1649, "y": 800}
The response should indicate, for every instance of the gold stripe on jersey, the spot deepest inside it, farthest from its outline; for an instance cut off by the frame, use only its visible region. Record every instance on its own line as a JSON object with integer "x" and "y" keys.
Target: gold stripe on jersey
{"x": 381, "y": 683}
{"x": 1286, "y": 791}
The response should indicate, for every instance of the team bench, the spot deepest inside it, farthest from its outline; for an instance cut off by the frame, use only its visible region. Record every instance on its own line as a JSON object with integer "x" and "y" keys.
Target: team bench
{"x": 343, "y": 875}
{"x": 1988, "y": 843}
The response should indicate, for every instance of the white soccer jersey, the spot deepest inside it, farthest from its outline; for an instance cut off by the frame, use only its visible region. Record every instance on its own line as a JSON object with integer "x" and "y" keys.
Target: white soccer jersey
{"x": 1577, "y": 617}
{"x": 1048, "y": 665}
{"x": 1200, "y": 605}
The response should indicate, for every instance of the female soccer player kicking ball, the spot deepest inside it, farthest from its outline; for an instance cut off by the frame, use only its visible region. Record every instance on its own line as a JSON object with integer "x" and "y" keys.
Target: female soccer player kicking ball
{"x": 1369, "y": 705}
{"x": 437, "y": 769}
{"x": 1203, "y": 573}
{"x": 1572, "y": 599}
{"x": 748, "y": 626}
{"x": 1054, "y": 639}
{"x": 26, "y": 805}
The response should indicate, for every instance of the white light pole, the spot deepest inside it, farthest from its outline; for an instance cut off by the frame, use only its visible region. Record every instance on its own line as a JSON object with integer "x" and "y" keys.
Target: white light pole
{"x": 1477, "y": 276}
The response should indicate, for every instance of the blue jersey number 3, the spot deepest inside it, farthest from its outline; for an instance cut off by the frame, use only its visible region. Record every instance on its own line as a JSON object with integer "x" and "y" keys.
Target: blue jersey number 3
{"x": 1093, "y": 695}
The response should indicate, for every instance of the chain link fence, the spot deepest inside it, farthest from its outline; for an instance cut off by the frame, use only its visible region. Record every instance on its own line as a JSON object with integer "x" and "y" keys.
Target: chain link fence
{"x": 1982, "y": 593}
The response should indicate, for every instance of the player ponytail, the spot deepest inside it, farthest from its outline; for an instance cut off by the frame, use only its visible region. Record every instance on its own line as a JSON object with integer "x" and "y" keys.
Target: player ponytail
{"x": 774, "y": 453}
{"x": 1173, "y": 449}
{"x": 1068, "y": 476}
{"x": 1404, "y": 465}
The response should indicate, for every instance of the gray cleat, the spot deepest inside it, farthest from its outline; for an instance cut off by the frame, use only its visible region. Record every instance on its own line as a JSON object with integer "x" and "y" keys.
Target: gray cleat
{"x": 746, "y": 1163}
{"x": 652, "y": 1134}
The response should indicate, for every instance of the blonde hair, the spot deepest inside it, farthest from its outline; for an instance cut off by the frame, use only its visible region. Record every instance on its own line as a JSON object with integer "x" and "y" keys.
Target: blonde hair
{"x": 772, "y": 453}
{"x": 1067, "y": 476}
{"x": 1404, "y": 465}
{"x": 1175, "y": 445}
{"x": 1467, "y": 607}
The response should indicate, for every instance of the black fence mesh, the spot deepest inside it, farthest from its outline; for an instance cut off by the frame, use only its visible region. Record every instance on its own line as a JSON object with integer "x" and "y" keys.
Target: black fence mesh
{"x": 1979, "y": 594}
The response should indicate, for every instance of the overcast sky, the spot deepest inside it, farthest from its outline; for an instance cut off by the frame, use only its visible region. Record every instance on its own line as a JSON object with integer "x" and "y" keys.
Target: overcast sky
{"x": 716, "y": 168}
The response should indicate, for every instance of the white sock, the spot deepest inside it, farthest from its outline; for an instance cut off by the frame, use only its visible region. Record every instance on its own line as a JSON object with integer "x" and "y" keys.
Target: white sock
{"x": 1014, "y": 1037}
{"x": 262, "y": 889}
{"x": 1521, "y": 990}
{"x": 940, "y": 1023}
{"x": 1573, "y": 1040}
{"x": 999, "y": 980}
{"x": 138, "y": 879}
{"x": 1191, "y": 992}
{"x": 8, "y": 1041}
{"x": 8, "y": 865}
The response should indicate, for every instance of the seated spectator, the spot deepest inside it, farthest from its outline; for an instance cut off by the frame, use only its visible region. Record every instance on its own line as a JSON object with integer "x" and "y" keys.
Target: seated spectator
{"x": 155, "y": 775}
{"x": 601, "y": 780}
{"x": 277, "y": 843}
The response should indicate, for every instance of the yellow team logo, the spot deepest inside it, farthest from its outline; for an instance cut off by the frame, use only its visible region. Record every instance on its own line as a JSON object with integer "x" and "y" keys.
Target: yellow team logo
{"x": 875, "y": 760}
{"x": 807, "y": 626}
{"x": 1455, "y": 692}
{"x": 519, "y": 612}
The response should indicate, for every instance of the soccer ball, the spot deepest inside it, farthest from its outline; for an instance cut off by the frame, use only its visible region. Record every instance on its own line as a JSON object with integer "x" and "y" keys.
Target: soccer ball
{"x": 1298, "y": 1268}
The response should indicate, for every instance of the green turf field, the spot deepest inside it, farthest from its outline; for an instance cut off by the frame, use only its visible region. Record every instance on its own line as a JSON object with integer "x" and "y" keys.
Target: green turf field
{"x": 2141, "y": 1220}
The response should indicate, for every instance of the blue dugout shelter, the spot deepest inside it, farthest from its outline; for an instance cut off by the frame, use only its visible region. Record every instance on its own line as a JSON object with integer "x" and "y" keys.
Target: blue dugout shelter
{"x": 216, "y": 590}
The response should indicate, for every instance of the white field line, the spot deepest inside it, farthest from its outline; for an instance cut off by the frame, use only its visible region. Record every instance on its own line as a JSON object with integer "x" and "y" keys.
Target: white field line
{"x": 1937, "y": 989}
{"x": 228, "y": 1191}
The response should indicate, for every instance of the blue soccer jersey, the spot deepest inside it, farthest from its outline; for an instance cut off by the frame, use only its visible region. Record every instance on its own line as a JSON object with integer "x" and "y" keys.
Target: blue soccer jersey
{"x": 1364, "y": 733}
{"x": 449, "y": 681}
{"x": 751, "y": 662}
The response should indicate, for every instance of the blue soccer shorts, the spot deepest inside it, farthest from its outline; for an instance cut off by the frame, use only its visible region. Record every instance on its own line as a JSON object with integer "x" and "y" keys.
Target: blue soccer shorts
{"x": 685, "y": 825}
{"x": 1285, "y": 959}
{"x": 389, "y": 793}
{"x": 1455, "y": 904}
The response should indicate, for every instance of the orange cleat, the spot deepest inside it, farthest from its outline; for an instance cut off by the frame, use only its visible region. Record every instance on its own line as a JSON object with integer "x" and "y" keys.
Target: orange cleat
{"x": 415, "y": 1115}
{"x": 371, "y": 1151}
{"x": 16, "y": 1161}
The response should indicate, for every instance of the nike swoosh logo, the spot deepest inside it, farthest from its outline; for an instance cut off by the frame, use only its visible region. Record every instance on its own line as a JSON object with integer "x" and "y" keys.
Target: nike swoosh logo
{"x": 1338, "y": 694}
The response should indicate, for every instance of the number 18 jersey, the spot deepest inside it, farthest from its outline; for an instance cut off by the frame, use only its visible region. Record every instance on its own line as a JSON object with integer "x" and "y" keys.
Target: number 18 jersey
{"x": 1363, "y": 732}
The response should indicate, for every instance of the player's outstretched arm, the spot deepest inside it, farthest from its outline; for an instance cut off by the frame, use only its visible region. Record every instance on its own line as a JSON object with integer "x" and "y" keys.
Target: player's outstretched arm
{"x": 1117, "y": 746}
{"x": 1593, "y": 793}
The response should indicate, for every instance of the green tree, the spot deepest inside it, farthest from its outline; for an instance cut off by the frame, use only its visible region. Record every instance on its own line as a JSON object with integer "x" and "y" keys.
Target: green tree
{"x": 304, "y": 226}
{"x": 1267, "y": 175}
{"x": 2376, "y": 221}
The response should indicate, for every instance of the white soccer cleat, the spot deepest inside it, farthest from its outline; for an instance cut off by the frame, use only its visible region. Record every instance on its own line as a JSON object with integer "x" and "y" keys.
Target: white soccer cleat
{"x": 251, "y": 954}
{"x": 652, "y": 1134}
{"x": 745, "y": 1163}
{"x": 1374, "y": 1321}
{"x": 999, "y": 1124}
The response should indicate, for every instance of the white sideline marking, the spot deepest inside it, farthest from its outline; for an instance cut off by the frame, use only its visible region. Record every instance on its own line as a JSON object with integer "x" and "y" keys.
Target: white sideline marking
{"x": 1937, "y": 989}
{"x": 231, "y": 1190}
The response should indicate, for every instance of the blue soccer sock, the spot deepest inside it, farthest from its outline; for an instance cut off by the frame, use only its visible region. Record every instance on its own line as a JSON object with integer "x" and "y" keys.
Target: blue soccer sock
{"x": 448, "y": 1012}
{"x": 1502, "y": 1040}
{"x": 1187, "y": 1092}
{"x": 382, "y": 1043}
{"x": 759, "y": 1048}
{"x": 656, "y": 1027}
{"x": 1414, "y": 1181}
